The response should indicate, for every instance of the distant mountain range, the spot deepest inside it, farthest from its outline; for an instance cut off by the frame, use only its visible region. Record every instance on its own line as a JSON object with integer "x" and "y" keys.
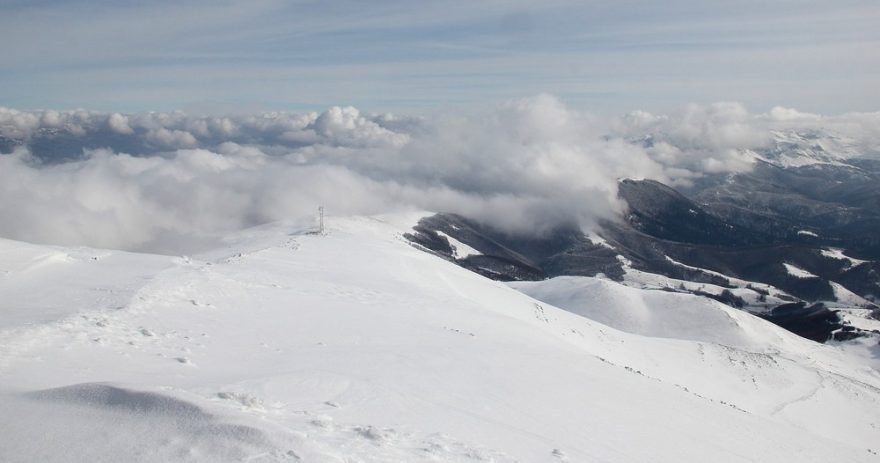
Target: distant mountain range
{"x": 795, "y": 239}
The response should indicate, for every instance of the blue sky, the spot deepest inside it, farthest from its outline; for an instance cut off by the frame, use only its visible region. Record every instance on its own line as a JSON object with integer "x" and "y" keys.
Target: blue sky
{"x": 405, "y": 56}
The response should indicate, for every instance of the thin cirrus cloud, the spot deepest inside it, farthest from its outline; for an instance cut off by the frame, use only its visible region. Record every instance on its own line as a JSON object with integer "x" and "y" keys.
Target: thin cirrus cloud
{"x": 405, "y": 56}
{"x": 174, "y": 182}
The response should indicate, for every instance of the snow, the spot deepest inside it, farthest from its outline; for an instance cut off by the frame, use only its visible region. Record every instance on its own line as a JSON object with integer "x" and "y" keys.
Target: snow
{"x": 838, "y": 254}
{"x": 751, "y": 292}
{"x": 285, "y": 345}
{"x": 807, "y": 233}
{"x": 598, "y": 240}
{"x": 862, "y": 319}
{"x": 653, "y": 281}
{"x": 865, "y": 349}
{"x": 843, "y": 296}
{"x": 731, "y": 280}
{"x": 795, "y": 149}
{"x": 98, "y": 423}
{"x": 798, "y": 272}
{"x": 654, "y": 313}
{"x": 846, "y": 297}
{"x": 42, "y": 284}
{"x": 459, "y": 249}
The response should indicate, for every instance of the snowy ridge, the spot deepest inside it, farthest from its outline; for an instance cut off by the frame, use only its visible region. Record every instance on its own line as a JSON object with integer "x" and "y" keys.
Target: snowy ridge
{"x": 847, "y": 298}
{"x": 655, "y": 313}
{"x": 758, "y": 296}
{"x": 838, "y": 254}
{"x": 354, "y": 346}
{"x": 798, "y": 149}
{"x": 755, "y": 294}
{"x": 459, "y": 249}
{"x": 797, "y": 272}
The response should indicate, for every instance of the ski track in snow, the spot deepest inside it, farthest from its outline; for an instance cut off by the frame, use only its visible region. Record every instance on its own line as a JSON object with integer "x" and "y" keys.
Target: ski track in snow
{"x": 803, "y": 398}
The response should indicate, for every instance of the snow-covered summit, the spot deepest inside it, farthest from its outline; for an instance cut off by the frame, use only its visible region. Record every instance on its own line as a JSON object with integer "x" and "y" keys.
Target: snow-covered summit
{"x": 793, "y": 148}
{"x": 287, "y": 345}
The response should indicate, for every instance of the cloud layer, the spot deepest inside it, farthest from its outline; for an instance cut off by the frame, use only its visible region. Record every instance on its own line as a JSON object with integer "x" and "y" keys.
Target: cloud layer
{"x": 172, "y": 182}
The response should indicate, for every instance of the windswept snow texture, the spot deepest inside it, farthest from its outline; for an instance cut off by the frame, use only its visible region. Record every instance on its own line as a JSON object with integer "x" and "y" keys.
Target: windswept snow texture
{"x": 43, "y": 284}
{"x": 287, "y": 345}
{"x": 103, "y": 423}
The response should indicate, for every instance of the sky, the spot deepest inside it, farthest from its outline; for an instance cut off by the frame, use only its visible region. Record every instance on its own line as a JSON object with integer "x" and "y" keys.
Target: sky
{"x": 409, "y": 57}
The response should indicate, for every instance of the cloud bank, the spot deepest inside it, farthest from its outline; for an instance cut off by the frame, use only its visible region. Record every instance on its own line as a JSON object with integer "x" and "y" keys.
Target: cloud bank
{"x": 172, "y": 182}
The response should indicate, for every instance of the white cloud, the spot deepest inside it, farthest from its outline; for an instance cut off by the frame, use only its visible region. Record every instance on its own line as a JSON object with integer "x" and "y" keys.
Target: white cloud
{"x": 524, "y": 166}
{"x": 51, "y": 119}
{"x": 346, "y": 126}
{"x": 780, "y": 114}
{"x": 119, "y": 124}
{"x": 171, "y": 138}
{"x": 18, "y": 124}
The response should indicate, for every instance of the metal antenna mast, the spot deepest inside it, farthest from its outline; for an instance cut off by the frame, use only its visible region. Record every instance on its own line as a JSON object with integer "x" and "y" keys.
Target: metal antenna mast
{"x": 321, "y": 219}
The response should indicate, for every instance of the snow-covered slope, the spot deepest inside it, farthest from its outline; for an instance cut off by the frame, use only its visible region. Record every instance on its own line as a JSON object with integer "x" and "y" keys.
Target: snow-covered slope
{"x": 355, "y": 346}
{"x": 42, "y": 284}
{"x": 658, "y": 313}
{"x": 792, "y": 148}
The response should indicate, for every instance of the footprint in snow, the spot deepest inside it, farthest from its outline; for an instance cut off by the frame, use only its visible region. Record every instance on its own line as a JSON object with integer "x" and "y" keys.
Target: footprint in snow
{"x": 245, "y": 400}
{"x": 323, "y": 422}
{"x": 445, "y": 448}
{"x": 540, "y": 314}
{"x": 456, "y": 330}
{"x": 378, "y": 435}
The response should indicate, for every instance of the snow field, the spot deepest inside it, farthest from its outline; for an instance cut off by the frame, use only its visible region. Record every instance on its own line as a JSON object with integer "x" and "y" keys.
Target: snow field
{"x": 355, "y": 346}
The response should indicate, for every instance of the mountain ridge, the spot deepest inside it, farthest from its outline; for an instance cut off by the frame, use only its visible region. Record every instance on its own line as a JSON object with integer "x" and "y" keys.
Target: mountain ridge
{"x": 353, "y": 344}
